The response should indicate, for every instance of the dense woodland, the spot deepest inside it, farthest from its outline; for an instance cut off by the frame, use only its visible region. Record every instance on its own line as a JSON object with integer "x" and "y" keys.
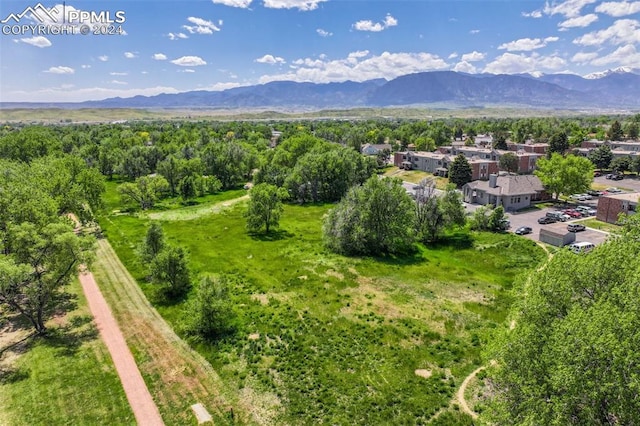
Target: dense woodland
{"x": 47, "y": 172}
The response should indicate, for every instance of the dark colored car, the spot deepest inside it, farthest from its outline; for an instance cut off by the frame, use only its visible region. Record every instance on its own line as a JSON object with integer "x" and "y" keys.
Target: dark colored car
{"x": 546, "y": 219}
{"x": 523, "y": 230}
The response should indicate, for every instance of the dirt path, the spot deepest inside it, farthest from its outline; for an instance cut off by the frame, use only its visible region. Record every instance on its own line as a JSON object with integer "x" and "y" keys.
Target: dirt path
{"x": 191, "y": 213}
{"x": 144, "y": 409}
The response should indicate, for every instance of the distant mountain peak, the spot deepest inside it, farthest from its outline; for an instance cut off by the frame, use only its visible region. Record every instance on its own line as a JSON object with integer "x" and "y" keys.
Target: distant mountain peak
{"x": 619, "y": 70}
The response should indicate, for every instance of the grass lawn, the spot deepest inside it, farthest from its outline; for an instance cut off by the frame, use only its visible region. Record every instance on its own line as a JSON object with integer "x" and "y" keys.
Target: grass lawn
{"x": 415, "y": 176}
{"x": 323, "y": 338}
{"x": 67, "y": 378}
{"x": 600, "y": 225}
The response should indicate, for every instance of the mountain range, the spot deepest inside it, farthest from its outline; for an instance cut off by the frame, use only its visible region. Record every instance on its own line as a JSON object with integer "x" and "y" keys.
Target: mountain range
{"x": 613, "y": 89}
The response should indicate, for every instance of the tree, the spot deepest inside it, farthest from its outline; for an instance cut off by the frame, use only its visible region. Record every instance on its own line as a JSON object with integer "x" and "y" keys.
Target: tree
{"x": 170, "y": 270}
{"x": 509, "y": 162}
{"x": 632, "y": 130}
{"x": 635, "y": 166}
{"x": 615, "y": 132}
{"x": 265, "y": 207}
{"x": 460, "y": 171}
{"x": 572, "y": 357}
{"x": 500, "y": 140}
{"x": 144, "y": 192}
{"x": 621, "y": 164}
{"x": 558, "y": 143}
{"x": 187, "y": 187}
{"x": 452, "y": 207}
{"x": 429, "y": 217}
{"x": 560, "y": 175}
{"x": 480, "y": 219}
{"x": 154, "y": 242}
{"x": 41, "y": 262}
{"x": 209, "y": 314}
{"x": 601, "y": 156}
{"x": 496, "y": 219}
{"x": 375, "y": 218}
{"x": 171, "y": 169}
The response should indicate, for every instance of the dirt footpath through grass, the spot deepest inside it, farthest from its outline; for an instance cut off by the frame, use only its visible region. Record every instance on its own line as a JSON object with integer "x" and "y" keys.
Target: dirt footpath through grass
{"x": 144, "y": 409}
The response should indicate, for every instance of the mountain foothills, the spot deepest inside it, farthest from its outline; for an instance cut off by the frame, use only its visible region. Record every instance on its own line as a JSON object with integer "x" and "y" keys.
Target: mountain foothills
{"x": 613, "y": 89}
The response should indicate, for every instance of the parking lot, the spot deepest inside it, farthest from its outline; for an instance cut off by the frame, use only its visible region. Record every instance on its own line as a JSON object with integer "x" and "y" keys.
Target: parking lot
{"x": 530, "y": 218}
{"x": 628, "y": 183}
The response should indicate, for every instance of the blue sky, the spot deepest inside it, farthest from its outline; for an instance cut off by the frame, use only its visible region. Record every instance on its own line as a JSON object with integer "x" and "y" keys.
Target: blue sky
{"x": 179, "y": 45}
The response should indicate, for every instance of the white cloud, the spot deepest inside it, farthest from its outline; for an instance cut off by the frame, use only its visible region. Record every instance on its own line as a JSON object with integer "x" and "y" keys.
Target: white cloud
{"x": 623, "y": 31}
{"x": 144, "y": 72}
{"x": 189, "y": 61}
{"x": 623, "y": 56}
{"x": 526, "y": 44}
{"x": 60, "y": 70}
{"x": 510, "y": 63}
{"x": 303, "y": 5}
{"x": 568, "y": 8}
{"x": 177, "y": 36}
{"x": 389, "y": 21}
{"x": 188, "y": 70}
{"x": 159, "y": 56}
{"x": 583, "y": 58}
{"x": 270, "y": 59}
{"x": 323, "y": 33}
{"x": 474, "y": 31}
{"x": 618, "y": 8}
{"x": 37, "y": 41}
{"x": 534, "y": 14}
{"x": 465, "y": 66}
{"x": 453, "y": 55}
{"x": 103, "y": 58}
{"x": 217, "y": 87}
{"x": 130, "y": 55}
{"x": 578, "y": 22}
{"x": 84, "y": 67}
{"x": 359, "y": 66}
{"x": 74, "y": 94}
{"x": 234, "y": 3}
{"x": 200, "y": 26}
{"x": 122, "y": 83}
{"x": 472, "y": 57}
{"x": 118, "y": 73}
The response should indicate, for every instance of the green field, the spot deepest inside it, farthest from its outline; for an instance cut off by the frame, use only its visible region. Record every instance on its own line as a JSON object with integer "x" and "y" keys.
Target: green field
{"x": 67, "y": 378}
{"x": 323, "y": 338}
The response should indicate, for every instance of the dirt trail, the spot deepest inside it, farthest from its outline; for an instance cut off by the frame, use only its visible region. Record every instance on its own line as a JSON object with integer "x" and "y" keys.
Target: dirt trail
{"x": 142, "y": 405}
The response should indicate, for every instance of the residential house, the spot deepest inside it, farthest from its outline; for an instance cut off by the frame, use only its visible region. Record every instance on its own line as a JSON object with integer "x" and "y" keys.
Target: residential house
{"x": 612, "y": 205}
{"x": 536, "y": 148}
{"x": 513, "y": 192}
{"x": 374, "y": 149}
{"x": 438, "y": 163}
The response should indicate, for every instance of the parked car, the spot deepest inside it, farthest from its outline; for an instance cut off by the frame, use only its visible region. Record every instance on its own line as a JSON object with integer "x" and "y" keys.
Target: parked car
{"x": 586, "y": 211}
{"x": 594, "y": 193}
{"x": 559, "y": 216}
{"x": 614, "y": 190}
{"x": 523, "y": 230}
{"x": 618, "y": 177}
{"x": 581, "y": 247}
{"x": 546, "y": 219}
{"x": 575, "y": 227}
{"x": 573, "y": 213}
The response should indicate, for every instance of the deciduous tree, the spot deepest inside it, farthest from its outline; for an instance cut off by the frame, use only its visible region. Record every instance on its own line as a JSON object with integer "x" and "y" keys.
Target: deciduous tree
{"x": 565, "y": 175}
{"x": 170, "y": 270}
{"x": 601, "y": 156}
{"x": 509, "y": 162}
{"x": 265, "y": 207}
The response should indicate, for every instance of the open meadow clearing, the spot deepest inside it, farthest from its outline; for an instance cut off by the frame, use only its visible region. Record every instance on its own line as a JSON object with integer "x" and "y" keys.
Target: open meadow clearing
{"x": 324, "y": 338}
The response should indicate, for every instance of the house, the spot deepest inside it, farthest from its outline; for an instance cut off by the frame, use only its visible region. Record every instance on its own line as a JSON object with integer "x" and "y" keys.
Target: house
{"x": 612, "y": 205}
{"x": 371, "y": 149}
{"x": 536, "y": 148}
{"x": 438, "y": 163}
{"x": 512, "y": 192}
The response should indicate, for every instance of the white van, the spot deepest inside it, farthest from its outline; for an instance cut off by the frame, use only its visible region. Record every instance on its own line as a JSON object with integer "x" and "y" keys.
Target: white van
{"x": 582, "y": 247}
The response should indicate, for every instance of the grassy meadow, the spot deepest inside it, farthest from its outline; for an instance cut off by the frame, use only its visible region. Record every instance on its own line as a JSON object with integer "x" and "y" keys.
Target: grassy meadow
{"x": 323, "y": 338}
{"x": 67, "y": 378}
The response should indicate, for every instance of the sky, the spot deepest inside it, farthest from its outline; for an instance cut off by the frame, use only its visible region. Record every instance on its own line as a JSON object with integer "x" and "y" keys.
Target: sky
{"x": 143, "y": 47}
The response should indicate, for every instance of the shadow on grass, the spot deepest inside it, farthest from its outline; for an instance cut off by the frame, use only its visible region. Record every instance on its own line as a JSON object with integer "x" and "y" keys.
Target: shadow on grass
{"x": 456, "y": 240}
{"x": 278, "y": 235}
{"x": 404, "y": 259}
{"x": 70, "y": 337}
